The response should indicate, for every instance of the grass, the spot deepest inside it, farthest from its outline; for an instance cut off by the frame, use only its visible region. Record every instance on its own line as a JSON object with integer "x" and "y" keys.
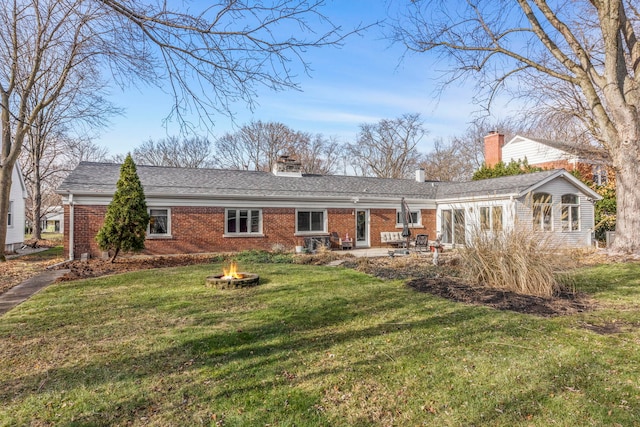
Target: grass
{"x": 312, "y": 346}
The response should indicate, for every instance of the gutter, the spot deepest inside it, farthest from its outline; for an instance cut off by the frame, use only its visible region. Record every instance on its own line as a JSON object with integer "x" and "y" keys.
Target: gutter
{"x": 71, "y": 228}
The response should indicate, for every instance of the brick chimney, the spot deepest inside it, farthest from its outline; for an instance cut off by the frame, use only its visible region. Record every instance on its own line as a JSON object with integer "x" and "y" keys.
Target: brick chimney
{"x": 286, "y": 166}
{"x": 493, "y": 143}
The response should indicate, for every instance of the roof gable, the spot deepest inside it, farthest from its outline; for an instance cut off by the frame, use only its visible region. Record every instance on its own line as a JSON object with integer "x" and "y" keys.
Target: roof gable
{"x": 506, "y": 186}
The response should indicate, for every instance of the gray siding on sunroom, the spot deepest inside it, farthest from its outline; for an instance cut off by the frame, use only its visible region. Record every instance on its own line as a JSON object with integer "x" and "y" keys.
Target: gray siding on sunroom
{"x": 556, "y": 189}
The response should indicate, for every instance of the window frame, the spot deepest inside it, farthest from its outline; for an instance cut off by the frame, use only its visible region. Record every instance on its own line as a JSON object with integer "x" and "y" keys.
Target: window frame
{"x": 237, "y": 213}
{"x": 311, "y": 231}
{"x": 166, "y": 235}
{"x": 490, "y": 212}
{"x": 417, "y": 223}
{"x": 567, "y": 213}
{"x": 538, "y": 220}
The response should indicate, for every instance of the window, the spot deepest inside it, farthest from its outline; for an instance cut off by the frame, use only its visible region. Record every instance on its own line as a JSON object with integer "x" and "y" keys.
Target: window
{"x": 453, "y": 226}
{"x": 10, "y": 215}
{"x": 491, "y": 218}
{"x": 496, "y": 218}
{"x": 159, "y": 222}
{"x": 447, "y": 226}
{"x": 414, "y": 218}
{"x": 599, "y": 174}
{"x": 542, "y": 218}
{"x": 570, "y": 212}
{"x": 243, "y": 221}
{"x": 310, "y": 221}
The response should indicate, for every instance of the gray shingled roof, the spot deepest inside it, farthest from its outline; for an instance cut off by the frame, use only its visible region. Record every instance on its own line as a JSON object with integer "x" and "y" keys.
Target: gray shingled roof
{"x": 516, "y": 184}
{"x": 100, "y": 179}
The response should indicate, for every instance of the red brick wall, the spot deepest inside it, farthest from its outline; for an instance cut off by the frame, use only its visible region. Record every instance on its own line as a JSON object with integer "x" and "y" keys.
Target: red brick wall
{"x": 201, "y": 229}
{"x": 493, "y": 143}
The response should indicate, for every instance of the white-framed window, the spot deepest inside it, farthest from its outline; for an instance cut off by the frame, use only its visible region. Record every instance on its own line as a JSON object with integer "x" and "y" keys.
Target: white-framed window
{"x": 311, "y": 221}
{"x": 570, "y": 212}
{"x": 159, "y": 222}
{"x": 542, "y": 212}
{"x": 413, "y": 217}
{"x": 10, "y": 215}
{"x": 243, "y": 221}
{"x": 491, "y": 218}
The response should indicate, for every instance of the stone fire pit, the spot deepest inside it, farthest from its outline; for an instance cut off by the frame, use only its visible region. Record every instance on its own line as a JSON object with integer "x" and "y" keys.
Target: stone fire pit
{"x": 238, "y": 280}
{"x": 231, "y": 278}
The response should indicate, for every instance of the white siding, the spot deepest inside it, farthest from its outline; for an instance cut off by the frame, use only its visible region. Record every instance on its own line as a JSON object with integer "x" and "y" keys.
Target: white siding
{"x": 15, "y": 232}
{"x": 472, "y": 214}
{"x": 556, "y": 189}
{"x": 521, "y": 148}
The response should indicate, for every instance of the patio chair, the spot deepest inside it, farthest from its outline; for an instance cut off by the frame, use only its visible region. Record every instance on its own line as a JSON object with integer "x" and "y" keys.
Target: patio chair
{"x": 422, "y": 242}
{"x": 335, "y": 241}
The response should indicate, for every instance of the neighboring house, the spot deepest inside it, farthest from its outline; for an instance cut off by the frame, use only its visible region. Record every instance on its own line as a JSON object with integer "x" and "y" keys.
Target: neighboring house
{"x": 53, "y": 221}
{"x": 546, "y": 154}
{"x": 212, "y": 210}
{"x": 16, "y": 218}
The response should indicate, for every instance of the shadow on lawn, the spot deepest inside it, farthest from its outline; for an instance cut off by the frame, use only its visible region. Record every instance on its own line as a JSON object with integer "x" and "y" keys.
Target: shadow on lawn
{"x": 237, "y": 361}
{"x": 621, "y": 278}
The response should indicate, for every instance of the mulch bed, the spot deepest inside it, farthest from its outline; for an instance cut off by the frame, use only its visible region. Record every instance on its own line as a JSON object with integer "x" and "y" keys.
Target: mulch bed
{"x": 442, "y": 281}
{"x": 99, "y": 267}
{"x": 563, "y": 303}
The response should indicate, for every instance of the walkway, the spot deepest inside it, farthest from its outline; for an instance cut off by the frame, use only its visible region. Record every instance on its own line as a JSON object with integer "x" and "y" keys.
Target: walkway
{"x": 26, "y": 289}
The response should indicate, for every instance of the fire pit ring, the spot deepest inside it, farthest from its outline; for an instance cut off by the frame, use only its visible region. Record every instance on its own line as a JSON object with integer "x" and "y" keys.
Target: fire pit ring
{"x": 221, "y": 282}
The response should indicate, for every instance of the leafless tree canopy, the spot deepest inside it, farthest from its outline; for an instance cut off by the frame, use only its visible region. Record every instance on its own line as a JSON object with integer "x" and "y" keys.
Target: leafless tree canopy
{"x": 194, "y": 152}
{"x": 318, "y": 154}
{"x": 257, "y": 146}
{"x": 388, "y": 149}
{"x": 583, "y": 55}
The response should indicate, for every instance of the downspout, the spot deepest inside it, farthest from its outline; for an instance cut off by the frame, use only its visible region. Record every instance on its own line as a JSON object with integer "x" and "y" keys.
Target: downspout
{"x": 71, "y": 228}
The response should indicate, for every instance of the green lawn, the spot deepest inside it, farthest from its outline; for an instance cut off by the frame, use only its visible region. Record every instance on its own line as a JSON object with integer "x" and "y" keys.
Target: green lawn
{"x": 313, "y": 346}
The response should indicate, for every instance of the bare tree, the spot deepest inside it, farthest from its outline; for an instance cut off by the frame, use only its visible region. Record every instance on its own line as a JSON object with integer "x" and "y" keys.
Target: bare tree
{"x": 388, "y": 149}
{"x": 318, "y": 154}
{"x": 83, "y": 150}
{"x": 80, "y": 104}
{"x": 589, "y": 46}
{"x": 194, "y": 152}
{"x": 448, "y": 162}
{"x": 208, "y": 58}
{"x": 256, "y": 146}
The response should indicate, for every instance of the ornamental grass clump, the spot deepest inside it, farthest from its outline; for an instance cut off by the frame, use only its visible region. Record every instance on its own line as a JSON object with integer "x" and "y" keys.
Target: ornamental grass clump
{"x": 517, "y": 260}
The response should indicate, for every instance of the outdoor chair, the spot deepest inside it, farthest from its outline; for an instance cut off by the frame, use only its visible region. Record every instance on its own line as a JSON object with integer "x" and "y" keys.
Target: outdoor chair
{"x": 422, "y": 242}
{"x": 335, "y": 240}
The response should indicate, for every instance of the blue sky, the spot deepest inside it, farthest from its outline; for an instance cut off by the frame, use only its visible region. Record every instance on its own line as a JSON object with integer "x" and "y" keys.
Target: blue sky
{"x": 364, "y": 81}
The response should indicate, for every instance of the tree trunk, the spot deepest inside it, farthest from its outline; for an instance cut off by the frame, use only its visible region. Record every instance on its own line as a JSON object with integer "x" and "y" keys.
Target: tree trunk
{"x": 5, "y": 185}
{"x": 36, "y": 208}
{"x": 627, "y": 165}
{"x": 115, "y": 254}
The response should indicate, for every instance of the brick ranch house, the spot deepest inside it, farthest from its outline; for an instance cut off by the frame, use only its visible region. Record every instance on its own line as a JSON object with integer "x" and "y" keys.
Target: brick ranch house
{"x": 214, "y": 210}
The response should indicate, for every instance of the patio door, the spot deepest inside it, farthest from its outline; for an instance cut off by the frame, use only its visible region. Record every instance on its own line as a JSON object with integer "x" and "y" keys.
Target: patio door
{"x": 453, "y": 226}
{"x": 362, "y": 228}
